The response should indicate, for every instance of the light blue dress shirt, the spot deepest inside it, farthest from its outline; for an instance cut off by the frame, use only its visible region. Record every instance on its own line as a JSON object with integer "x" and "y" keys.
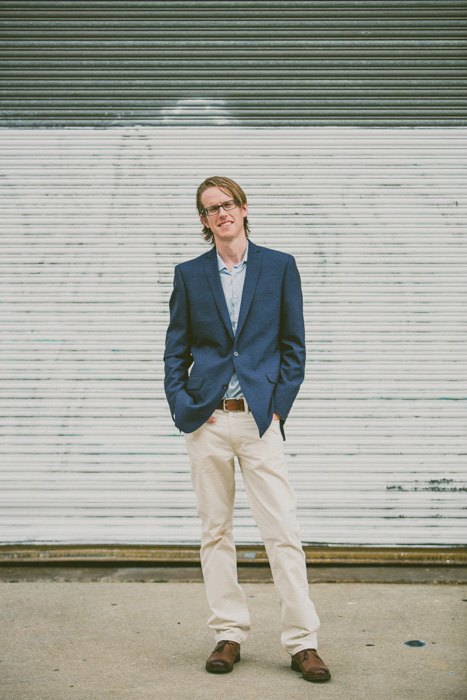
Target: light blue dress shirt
{"x": 232, "y": 284}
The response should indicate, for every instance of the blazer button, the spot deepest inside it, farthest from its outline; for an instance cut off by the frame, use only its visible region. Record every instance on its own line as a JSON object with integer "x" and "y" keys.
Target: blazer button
{"x": 225, "y": 387}
{"x": 235, "y": 354}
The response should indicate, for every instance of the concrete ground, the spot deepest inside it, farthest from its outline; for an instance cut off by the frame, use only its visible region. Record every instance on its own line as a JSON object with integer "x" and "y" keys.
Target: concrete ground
{"x": 117, "y": 639}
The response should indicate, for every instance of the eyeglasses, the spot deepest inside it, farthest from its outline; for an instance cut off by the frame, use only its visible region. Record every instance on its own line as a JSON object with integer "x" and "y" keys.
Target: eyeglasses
{"x": 229, "y": 204}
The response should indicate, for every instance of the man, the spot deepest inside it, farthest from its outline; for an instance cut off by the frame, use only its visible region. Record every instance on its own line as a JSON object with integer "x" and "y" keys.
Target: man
{"x": 236, "y": 319}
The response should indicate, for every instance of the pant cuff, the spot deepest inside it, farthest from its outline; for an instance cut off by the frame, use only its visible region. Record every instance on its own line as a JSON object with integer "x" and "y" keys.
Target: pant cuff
{"x": 302, "y": 647}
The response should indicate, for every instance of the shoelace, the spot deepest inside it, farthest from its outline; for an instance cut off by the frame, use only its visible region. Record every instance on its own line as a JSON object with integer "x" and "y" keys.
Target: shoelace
{"x": 223, "y": 643}
{"x": 305, "y": 655}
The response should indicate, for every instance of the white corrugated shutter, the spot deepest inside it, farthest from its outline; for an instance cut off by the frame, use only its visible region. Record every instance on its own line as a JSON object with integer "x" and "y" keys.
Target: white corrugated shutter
{"x": 93, "y": 223}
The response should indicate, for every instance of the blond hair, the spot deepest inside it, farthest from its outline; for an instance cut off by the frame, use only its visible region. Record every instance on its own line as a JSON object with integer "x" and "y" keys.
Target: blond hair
{"x": 229, "y": 187}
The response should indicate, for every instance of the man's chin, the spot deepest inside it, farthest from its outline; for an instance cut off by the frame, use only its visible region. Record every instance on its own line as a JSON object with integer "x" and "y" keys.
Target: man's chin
{"x": 228, "y": 234}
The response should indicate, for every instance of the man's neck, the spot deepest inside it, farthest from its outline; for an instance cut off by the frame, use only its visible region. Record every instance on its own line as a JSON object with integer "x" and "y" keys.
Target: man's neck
{"x": 232, "y": 252}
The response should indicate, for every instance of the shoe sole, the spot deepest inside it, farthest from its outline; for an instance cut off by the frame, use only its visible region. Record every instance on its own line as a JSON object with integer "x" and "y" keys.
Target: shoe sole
{"x": 317, "y": 680}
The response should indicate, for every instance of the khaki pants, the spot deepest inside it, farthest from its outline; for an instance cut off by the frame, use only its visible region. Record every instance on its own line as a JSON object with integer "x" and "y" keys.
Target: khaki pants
{"x": 273, "y": 503}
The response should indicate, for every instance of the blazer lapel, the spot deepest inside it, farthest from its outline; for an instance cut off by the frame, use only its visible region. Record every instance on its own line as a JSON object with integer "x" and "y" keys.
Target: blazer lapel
{"x": 214, "y": 279}
{"x": 253, "y": 267}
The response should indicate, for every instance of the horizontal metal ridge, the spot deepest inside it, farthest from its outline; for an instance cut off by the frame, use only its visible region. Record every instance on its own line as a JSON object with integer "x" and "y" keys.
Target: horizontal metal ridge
{"x": 245, "y": 554}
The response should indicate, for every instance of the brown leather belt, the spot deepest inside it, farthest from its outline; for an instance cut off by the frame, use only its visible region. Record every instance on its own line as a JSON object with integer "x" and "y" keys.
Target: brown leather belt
{"x": 232, "y": 405}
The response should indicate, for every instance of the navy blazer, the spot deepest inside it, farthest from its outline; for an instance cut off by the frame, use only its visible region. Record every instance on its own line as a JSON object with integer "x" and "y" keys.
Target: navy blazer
{"x": 267, "y": 352}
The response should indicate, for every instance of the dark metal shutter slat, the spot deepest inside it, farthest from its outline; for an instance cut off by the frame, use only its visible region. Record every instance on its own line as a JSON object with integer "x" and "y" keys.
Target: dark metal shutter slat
{"x": 291, "y": 63}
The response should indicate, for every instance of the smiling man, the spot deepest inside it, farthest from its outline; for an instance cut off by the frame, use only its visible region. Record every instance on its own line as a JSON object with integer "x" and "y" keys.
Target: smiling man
{"x": 236, "y": 320}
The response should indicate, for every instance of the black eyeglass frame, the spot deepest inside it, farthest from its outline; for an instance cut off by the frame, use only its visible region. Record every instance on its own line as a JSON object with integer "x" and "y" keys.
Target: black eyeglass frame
{"x": 217, "y": 207}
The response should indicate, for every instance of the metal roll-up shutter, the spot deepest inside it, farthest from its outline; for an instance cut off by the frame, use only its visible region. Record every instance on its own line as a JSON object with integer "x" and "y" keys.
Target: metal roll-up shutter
{"x": 261, "y": 63}
{"x": 112, "y": 114}
{"x": 93, "y": 224}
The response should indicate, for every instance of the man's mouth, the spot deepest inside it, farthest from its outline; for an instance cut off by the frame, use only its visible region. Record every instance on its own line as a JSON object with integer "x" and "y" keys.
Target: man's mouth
{"x": 225, "y": 223}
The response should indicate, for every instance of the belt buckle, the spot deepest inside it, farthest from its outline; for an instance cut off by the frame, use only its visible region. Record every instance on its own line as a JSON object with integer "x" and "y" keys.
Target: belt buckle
{"x": 235, "y": 410}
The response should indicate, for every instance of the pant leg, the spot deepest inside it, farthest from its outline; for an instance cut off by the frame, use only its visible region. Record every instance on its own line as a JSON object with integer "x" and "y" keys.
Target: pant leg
{"x": 213, "y": 477}
{"x": 273, "y": 504}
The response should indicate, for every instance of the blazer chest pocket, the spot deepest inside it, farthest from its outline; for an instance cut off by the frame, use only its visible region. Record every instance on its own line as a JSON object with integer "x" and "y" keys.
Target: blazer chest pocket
{"x": 194, "y": 383}
{"x": 265, "y": 295}
{"x": 273, "y": 377}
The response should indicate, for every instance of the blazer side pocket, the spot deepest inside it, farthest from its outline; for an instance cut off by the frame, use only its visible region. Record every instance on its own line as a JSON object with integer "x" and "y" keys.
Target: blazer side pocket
{"x": 194, "y": 383}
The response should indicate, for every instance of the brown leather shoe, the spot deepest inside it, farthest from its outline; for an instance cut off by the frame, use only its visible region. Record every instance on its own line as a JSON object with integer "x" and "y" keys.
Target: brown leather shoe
{"x": 224, "y": 656}
{"x": 311, "y": 665}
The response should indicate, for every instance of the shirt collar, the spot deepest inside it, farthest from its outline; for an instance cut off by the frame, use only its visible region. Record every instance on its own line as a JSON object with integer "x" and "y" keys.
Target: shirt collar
{"x": 221, "y": 264}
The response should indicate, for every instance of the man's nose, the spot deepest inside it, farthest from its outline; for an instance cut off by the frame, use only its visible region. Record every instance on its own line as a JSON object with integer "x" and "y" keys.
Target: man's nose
{"x": 222, "y": 211}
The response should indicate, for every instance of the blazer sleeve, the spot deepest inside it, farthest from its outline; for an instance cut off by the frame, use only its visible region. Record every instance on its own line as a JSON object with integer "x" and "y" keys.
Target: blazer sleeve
{"x": 292, "y": 342}
{"x": 177, "y": 355}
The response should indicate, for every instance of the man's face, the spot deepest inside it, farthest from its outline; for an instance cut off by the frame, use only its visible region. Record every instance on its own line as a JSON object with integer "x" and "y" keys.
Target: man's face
{"x": 226, "y": 226}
